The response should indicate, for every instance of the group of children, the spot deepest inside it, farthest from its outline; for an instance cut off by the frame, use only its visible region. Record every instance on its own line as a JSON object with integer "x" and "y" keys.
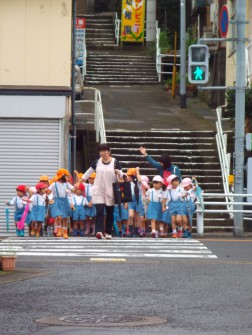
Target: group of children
{"x": 58, "y": 208}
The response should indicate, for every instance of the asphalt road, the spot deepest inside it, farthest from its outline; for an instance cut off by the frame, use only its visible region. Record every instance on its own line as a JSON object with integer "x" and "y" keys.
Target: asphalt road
{"x": 212, "y": 296}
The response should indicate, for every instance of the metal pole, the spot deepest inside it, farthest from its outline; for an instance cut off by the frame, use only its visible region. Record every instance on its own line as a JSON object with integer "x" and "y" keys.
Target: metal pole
{"x": 239, "y": 112}
{"x": 182, "y": 53}
{"x": 73, "y": 165}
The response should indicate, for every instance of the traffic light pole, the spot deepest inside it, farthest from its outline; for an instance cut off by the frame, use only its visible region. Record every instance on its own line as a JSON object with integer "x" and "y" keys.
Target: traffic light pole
{"x": 182, "y": 71}
{"x": 240, "y": 112}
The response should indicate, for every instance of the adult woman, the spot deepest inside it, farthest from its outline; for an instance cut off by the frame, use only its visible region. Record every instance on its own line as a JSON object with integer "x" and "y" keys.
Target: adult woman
{"x": 164, "y": 166}
{"x": 107, "y": 168}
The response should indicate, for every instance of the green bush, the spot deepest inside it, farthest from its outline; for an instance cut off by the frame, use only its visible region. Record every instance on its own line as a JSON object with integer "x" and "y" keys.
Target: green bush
{"x": 230, "y": 98}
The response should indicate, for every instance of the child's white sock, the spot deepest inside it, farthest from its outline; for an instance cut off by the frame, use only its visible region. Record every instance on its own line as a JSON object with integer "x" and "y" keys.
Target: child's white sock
{"x": 180, "y": 228}
{"x": 174, "y": 231}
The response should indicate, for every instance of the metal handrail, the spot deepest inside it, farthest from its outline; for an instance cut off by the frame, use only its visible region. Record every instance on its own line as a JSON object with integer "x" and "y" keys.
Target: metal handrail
{"x": 99, "y": 124}
{"x": 224, "y": 157}
{"x": 159, "y": 56}
{"x": 201, "y": 210}
{"x": 117, "y": 29}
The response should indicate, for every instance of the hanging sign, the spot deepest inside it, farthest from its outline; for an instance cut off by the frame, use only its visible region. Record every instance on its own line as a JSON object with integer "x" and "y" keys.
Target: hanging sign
{"x": 133, "y": 18}
{"x": 80, "y": 40}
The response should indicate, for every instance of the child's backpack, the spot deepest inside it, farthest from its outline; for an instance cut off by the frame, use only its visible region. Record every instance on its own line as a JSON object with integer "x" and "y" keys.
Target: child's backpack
{"x": 165, "y": 176}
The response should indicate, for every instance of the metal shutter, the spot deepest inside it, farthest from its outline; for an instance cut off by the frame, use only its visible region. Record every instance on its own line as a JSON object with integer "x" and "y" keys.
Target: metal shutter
{"x": 28, "y": 149}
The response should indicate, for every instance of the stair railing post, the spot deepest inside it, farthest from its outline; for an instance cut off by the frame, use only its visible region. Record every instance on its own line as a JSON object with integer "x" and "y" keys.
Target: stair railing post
{"x": 96, "y": 116}
{"x": 200, "y": 220}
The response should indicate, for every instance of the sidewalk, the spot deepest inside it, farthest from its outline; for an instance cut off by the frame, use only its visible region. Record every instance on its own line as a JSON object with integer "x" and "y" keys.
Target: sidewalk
{"x": 146, "y": 107}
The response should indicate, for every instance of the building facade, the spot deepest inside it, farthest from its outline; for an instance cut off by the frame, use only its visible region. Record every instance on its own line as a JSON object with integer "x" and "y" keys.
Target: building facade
{"x": 35, "y": 92}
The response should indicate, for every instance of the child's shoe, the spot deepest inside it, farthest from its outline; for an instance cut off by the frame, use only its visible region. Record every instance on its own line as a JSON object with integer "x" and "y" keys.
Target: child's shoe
{"x": 75, "y": 233}
{"x": 99, "y": 236}
{"x": 81, "y": 233}
{"x": 136, "y": 232}
{"x": 59, "y": 232}
{"x": 189, "y": 234}
{"x": 21, "y": 233}
{"x": 65, "y": 235}
{"x": 33, "y": 232}
{"x": 142, "y": 232}
{"x": 108, "y": 237}
{"x": 37, "y": 234}
{"x": 185, "y": 234}
{"x": 179, "y": 235}
{"x": 174, "y": 235}
{"x": 128, "y": 233}
{"x": 154, "y": 234}
{"x": 162, "y": 234}
{"x": 17, "y": 232}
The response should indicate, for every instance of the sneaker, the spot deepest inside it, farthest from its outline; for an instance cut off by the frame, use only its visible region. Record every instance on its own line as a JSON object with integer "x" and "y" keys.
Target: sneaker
{"x": 75, "y": 233}
{"x": 185, "y": 234}
{"x": 162, "y": 234}
{"x": 174, "y": 235}
{"x": 179, "y": 234}
{"x": 33, "y": 232}
{"x": 37, "y": 234}
{"x": 154, "y": 234}
{"x": 141, "y": 232}
{"x": 108, "y": 237}
{"x": 21, "y": 233}
{"x": 99, "y": 236}
{"x": 189, "y": 234}
{"x": 128, "y": 233}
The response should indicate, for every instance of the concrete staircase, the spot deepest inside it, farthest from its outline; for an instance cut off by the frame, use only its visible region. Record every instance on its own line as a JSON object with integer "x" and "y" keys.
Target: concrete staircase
{"x": 107, "y": 63}
{"x": 194, "y": 152}
{"x": 120, "y": 69}
{"x": 99, "y": 31}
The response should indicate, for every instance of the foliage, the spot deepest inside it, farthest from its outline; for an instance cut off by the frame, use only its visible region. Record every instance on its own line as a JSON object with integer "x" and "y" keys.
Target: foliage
{"x": 189, "y": 38}
{"x": 164, "y": 44}
{"x": 230, "y": 98}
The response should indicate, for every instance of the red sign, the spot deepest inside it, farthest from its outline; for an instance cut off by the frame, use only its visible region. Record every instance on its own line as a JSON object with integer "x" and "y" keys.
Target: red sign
{"x": 224, "y": 21}
{"x": 80, "y": 23}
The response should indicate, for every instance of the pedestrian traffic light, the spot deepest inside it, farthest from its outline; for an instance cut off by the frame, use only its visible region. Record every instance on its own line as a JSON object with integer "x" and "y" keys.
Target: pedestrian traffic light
{"x": 198, "y": 64}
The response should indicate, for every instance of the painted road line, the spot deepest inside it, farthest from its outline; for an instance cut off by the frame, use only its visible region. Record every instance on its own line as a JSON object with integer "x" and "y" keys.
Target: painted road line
{"x": 117, "y": 248}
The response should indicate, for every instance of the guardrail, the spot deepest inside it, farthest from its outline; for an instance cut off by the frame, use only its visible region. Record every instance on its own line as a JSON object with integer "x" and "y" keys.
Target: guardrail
{"x": 160, "y": 56}
{"x": 224, "y": 157}
{"x": 99, "y": 124}
{"x": 232, "y": 209}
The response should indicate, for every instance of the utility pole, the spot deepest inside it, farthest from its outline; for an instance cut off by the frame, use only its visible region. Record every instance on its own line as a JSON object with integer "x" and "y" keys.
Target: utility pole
{"x": 73, "y": 132}
{"x": 182, "y": 53}
{"x": 239, "y": 113}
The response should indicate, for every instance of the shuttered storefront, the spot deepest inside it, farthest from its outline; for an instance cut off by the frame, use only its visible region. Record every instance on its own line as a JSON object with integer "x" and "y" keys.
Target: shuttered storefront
{"x": 29, "y": 148}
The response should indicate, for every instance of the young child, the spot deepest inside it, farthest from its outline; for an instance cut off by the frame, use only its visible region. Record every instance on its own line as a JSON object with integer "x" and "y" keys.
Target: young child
{"x": 173, "y": 197}
{"x": 189, "y": 197}
{"x": 19, "y": 201}
{"x": 154, "y": 212}
{"x": 90, "y": 208}
{"x": 136, "y": 209}
{"x": 61, "y": 206}
{"x": 145, "y": 187}
{"x": 78, "y": 202}
{"x": 37, "y": 209}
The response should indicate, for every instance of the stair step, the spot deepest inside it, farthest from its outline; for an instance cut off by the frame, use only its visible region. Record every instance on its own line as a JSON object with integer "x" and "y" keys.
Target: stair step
{"x": 149, "y": 139}
{"x": 166, "y": 145}
{"x": 120, "y": 83}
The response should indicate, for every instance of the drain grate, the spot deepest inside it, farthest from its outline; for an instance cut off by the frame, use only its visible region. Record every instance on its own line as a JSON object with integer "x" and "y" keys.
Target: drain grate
{"x": 87, "y": 320}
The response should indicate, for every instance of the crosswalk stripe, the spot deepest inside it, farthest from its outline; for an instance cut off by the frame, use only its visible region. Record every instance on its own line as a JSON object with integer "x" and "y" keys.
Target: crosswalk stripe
{"x": 123, "y": 248}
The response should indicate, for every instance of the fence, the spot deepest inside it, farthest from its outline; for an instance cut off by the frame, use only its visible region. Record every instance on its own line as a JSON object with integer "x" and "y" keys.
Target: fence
{"x": 232, "y": 207}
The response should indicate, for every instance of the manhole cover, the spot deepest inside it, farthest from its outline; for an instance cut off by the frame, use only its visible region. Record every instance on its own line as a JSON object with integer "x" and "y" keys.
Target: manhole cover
{"x": 101, "y": 320}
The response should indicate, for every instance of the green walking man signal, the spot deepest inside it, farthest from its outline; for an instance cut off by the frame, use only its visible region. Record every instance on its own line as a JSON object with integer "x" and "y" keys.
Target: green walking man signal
{"x": 198, "y": 64}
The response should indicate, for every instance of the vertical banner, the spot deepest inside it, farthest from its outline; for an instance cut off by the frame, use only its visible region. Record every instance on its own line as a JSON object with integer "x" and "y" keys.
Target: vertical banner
{"x": 133, "y": 18}
{"x": 80, "y": 40}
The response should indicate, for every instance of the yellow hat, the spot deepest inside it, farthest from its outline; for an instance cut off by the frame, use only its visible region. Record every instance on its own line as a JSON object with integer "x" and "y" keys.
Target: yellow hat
{"x": 62, "y": 172}
{"x": 93, "y": 175}
{"x": 80, "y": 175}
{"x": 54, "y": 179}
{"x": 131, "y": 172}
{"x": 44, "y": 178}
